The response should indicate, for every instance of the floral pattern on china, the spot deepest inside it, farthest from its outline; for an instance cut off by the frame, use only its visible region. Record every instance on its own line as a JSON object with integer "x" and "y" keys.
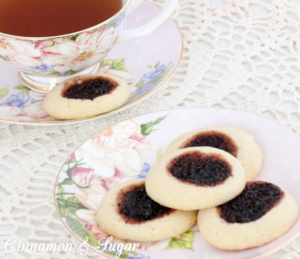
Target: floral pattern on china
{"x": 144, "y": 74}
{"x": 22, "y": 103}
{"x": 108, "y": 158}
{"x": 128, "y": 149}
{"x": 60, "y": 56}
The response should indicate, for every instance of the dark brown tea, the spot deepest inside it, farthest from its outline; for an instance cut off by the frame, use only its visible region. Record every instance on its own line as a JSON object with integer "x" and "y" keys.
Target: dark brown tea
{"x": 40, "y": 18}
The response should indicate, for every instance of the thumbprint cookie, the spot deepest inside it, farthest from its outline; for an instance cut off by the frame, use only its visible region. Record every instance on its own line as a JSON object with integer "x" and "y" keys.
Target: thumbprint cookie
{"x": 127, "y": 212}
{"x": 195, "y": 178}
{"x": 234, "y": 141}
{"x": 260, "y": 214}
{"x": 86, "y": 96}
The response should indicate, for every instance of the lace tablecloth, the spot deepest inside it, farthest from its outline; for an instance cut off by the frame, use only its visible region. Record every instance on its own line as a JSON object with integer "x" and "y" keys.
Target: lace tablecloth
{"x": 242, "y": 55}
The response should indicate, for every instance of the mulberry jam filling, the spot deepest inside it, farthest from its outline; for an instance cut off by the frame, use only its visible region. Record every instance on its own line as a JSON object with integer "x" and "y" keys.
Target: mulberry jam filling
{"x": 254, "y": 202}
{"x": 135, "y": 206}
{"x": 90, "y": 88}
{"x": 200, "y": 169}
{"x": 213, "y": 139}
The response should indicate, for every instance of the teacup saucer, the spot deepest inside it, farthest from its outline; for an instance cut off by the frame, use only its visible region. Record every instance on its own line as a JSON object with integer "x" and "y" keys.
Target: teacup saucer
{"x": 97, "y": 166}
{"x": 146, "y": 64}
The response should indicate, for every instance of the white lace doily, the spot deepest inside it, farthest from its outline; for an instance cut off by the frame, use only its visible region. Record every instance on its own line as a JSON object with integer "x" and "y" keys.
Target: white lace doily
{"x": 242, "y": 55}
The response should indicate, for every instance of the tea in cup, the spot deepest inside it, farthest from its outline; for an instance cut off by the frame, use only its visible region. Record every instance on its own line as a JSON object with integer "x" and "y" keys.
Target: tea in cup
{"x": 87, "y": 31}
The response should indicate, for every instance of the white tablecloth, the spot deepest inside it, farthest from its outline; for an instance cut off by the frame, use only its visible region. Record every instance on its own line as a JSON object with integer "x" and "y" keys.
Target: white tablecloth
{"x": 241, "y": 55}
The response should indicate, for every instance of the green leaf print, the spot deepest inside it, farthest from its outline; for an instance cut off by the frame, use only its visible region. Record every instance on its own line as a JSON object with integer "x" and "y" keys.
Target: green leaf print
{"x": 186, "y": 242}
{"x": 72, "y": 204}
{"x": 22, "y": 88}
{"x": 69, "y": 161}
{"x": 147, "y": 128}
{"x": 63, "y": 212}
{"x": 67, "y": 181}
{"x": 78, "y": 228}
{"x": 4, "y": 91}
{"x": 54, "y": 73}
{"x": 92, "y": 240}
{"x": 71, "y": 72}
{"x": 61, "y": 192}
{"x": 69, "y": 205}
{"x": 73, "y": 37}
{"x": 140, "y": 84}
{"x": 159, "y": 154}
{"x": 115, "y": 64}
{"x": 73, "y": 200}
{"x": 69, "y": 172}
{"x": 2, "y": 57}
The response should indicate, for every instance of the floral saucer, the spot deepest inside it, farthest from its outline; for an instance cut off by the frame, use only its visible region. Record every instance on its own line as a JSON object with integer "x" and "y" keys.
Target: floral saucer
{"x": 146, "y": 64}
{"x": 128, "y": 149}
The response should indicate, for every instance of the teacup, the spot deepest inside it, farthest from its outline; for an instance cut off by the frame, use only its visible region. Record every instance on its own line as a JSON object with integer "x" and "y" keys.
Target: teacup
{"x": 43, "y": 62}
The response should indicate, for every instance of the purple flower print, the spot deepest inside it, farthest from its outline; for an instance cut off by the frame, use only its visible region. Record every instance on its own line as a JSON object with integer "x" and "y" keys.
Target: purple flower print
{"x": 18, "y": 100}
{"x": 156, "y": 73}
{"x": 34, "y": 101}
{"x": 145, "y": 88}
{"x": 43, "y": 68}
{"x": 145, "y": 171}
{"x": 118, "y": 21}
{"x": 139, "y": 256}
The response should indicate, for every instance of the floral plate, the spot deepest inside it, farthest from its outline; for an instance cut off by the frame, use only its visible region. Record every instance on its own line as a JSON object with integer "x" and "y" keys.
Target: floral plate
{"x": 128, "y": 150}
{"x": 146, "y": 64}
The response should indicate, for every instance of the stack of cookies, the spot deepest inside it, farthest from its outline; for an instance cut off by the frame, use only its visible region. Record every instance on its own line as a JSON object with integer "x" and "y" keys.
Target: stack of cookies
{"x": 205, "y": 176}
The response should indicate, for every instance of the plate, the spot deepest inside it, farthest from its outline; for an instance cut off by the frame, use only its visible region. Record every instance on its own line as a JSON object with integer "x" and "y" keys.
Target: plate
{"x": 128, "y": 150}
{"x": 146, "y": 64}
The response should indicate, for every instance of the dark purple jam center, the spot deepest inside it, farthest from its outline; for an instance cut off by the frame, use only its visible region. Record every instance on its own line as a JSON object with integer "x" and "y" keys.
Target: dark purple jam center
{"x": 213, "y": 139}
{"x": 90, "y": 89}
{"x": 136, "y": 206}
{"x": 200, "y": 169}
{"x": 254, "y": 202}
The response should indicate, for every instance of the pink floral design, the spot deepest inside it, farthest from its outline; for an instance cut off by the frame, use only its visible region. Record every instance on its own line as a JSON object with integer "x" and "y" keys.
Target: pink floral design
{"x": 22, "y": 106}
{"x": 91, "y": 197}
{"x": 35, "y": 109}
{"x": 117, "y": 151}
{"x": 89, "y": 218}
{"x": 20, "y": 52}
{"x": 113, "y": 155}
{"x": 59, "y": 56}
{"x": 106, "y": 160}
{"x": 83, "y": 176}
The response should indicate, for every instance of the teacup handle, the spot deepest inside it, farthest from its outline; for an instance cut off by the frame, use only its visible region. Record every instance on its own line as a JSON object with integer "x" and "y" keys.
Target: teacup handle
{"x": 149, "y": 27}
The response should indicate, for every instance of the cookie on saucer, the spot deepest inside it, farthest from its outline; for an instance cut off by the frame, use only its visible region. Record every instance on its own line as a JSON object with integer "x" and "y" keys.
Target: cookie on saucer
{"x": 86, "y": 96}
{"x": 127, "y": 212}
{"x": 260, "y": 214}
{"x": 234, "y": 141}
{"x": 195, "y": 178}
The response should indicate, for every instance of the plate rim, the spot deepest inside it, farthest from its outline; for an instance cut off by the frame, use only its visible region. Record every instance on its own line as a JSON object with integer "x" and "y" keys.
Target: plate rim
{"x": 123, "y": 108}
{"x": 166, "y": 111}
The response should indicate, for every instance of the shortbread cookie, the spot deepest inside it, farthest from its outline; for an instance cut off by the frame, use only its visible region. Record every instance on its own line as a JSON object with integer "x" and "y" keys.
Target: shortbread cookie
{"x": 234, "y": 141}
{"x": 195, "y": 178}
{"x": 259, "y": 215}
{"x": 127, "y": 212}
{"x": 86, "y": 96}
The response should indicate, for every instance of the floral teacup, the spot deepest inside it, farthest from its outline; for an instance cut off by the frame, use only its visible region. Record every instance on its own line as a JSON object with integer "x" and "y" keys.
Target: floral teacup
{"x": 45, "y": 61}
